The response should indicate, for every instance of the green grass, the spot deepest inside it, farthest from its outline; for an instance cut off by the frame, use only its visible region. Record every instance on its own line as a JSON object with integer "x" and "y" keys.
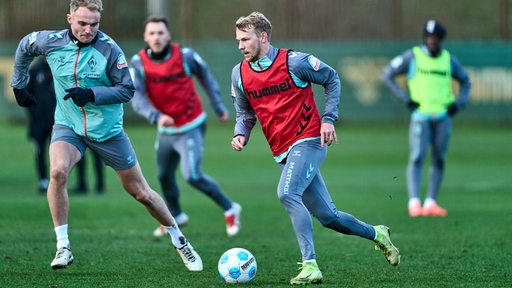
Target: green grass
{"x": 112, "y": 240}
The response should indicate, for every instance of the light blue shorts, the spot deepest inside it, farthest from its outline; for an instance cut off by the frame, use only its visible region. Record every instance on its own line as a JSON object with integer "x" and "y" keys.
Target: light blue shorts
{"x": 117, "y": 152}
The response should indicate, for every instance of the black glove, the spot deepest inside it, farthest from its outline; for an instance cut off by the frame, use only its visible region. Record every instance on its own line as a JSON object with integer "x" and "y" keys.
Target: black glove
{"x": 80, "y": 96}
{"x": 24, "y": 98}
{"x": 453, "y": 109}
{"x": 411, "y": 105}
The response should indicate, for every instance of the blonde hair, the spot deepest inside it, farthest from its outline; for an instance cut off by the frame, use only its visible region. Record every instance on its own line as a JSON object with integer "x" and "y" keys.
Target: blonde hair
{"x": 93, "y": 5}
{"x": 255, "y": 20}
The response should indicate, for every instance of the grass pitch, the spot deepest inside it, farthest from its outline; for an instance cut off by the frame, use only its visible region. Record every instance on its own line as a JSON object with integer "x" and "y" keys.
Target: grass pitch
{"x": 111, "y": 235}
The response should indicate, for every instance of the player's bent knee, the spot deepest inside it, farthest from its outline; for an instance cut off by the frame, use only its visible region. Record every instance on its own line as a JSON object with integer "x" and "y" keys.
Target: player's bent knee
{"x": 58, "y": 175}
{"x": 195, "y": 179}
{"x": 289, "y": 200}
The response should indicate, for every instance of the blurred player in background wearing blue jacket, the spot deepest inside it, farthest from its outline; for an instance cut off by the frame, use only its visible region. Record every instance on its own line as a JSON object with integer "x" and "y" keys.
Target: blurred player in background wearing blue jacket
{"x": 40, "y": 117}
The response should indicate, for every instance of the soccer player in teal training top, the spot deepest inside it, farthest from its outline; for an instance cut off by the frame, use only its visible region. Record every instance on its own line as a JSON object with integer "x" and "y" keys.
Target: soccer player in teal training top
{"x": 274, "y": 86}
{"x": 429, "y": 70}
{"x": 92, "y": 82}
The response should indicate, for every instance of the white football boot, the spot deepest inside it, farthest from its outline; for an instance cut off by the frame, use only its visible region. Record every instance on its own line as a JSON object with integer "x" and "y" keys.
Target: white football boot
{"x": 63, "y": 258}
{"x": 190, "y": 258}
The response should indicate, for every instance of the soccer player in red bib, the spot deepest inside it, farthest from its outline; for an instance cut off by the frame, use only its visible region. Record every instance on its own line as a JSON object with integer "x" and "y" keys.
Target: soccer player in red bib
{"x": 165, "y": 95}
{"x": 273, "y": 86}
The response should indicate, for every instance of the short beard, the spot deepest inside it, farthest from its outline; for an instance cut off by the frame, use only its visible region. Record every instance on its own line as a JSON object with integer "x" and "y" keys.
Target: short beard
{"x": 256, "y": 55}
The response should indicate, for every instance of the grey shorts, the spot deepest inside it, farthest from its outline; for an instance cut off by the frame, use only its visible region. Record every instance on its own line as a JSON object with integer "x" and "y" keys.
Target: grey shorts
{"x": 117, "y": 152}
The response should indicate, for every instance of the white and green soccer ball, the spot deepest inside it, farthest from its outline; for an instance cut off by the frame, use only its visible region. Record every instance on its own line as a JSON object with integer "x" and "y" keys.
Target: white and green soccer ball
{"x": 237, "y": 265}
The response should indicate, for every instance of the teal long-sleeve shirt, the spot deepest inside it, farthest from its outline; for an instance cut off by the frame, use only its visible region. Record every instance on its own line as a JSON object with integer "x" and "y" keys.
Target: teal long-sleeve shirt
{"x": 99, "y": 65}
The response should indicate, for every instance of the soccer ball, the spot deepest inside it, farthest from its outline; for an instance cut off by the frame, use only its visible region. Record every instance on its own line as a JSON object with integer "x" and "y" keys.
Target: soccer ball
{"x": 237, "y": 265}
